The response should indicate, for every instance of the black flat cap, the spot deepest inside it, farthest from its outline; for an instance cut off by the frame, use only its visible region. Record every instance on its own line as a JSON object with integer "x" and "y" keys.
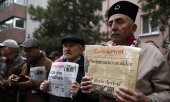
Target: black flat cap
{"x": 124, "y": 7}
{"x": 73, "y": 38}
{"x": 32, "y": 42}
{"x": 53, "y": 54}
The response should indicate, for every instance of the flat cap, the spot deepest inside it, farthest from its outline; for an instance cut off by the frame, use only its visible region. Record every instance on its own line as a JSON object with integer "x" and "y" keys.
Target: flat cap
{"x": 73, "y": 38}
{"x": 53, "y": 54}
{"x": 32, "y": 42}
{"x": 9, "y": 43}
{"x": 124, "y": 7}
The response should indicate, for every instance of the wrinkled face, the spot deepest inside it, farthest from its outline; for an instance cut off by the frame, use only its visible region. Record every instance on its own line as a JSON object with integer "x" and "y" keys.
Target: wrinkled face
{"x": 6, "y": 51}
{"x": 121, "y": 28}
{"x": 72, "y": 51}
{"x": 32, "y": 53}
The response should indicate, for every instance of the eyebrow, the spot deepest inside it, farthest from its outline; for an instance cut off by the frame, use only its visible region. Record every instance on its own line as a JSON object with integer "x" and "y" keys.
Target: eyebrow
{"x": 119, "y": 18}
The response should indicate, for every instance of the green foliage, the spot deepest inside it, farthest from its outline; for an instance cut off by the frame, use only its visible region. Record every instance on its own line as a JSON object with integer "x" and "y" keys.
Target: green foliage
{"x": 62, "y": 17}
{"x": 159, "y": 11}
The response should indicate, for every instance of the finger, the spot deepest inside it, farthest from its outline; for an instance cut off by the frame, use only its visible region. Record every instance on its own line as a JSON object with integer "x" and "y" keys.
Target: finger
{"x": 85, "y": 83}
{"x": 42, "y": 87}
{"x": 85, "y": 78}
{"x": 45, "y": 85}
{"x": 74, "y": 82}
{"x": 46, "y": 81}
{"x": 117, "y": 96}
{"x": 126, "y": 90}
{"x": 87, "y": 92}
{"x": 122, "y": 96}
{"x": 27, "y": 76}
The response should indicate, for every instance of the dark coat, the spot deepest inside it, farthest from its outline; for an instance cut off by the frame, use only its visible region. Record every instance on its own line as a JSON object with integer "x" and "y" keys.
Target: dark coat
{"x": 81, "y": 97}
{"x": 26, "y": 94}
{"x": 13, "y": 66}
{"x": 80, "y": 74}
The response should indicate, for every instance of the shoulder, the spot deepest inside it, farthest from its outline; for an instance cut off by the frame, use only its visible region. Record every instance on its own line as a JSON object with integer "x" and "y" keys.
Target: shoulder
{"x": 149, "y": 48}
{"x": 47, "y": 62}
{"x": 151, "y": 52}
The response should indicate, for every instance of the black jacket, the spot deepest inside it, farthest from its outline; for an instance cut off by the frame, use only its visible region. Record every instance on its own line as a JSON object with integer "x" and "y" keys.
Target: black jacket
{"x": 80, "y": 74}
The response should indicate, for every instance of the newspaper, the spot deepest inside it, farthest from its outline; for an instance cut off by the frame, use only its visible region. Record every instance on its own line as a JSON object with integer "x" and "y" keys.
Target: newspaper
{"x": 60, "y": 77}
{"x": 38, "y": 74}
{"x": 110, "y": 67}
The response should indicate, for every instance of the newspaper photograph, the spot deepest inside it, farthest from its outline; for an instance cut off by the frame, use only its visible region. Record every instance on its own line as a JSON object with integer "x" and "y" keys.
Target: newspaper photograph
{"x": 110, "y": 67}
{"x": 60, "y": 77}
{"x": 38, "y": 74}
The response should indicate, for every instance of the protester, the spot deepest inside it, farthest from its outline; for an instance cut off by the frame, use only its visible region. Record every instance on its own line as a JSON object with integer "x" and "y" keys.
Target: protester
{"x": 153, "y": 84}
{"x": 13, "y": 65}
{"x": 2, "y": 67}
{"x": 35, "y": 58}
{"x": 54, "y": 55}
{"x": 73, "y": 48}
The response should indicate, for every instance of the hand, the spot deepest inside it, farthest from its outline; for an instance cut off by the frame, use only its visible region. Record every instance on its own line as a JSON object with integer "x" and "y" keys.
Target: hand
{"x": 75, "y": 87}
{"x": 123, "y": 94}
{"x": 44, "y": 85}
{"x": 86, "y": 85}
{"x": 13, "y": 80}
{"x": 5, "y": 83}
{"x": 13, "y": 77}
{"x": 28, "y": 83}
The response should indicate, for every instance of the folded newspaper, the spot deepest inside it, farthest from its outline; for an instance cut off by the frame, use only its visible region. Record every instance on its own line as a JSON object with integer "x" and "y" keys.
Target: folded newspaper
{"x": 110, "y": 67}
{"x": 60, "y": 77}
{"x": 38, "y": 74}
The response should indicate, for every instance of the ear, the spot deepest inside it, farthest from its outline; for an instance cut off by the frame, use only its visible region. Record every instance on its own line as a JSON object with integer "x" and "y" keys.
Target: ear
{"x": 134, "y": 27}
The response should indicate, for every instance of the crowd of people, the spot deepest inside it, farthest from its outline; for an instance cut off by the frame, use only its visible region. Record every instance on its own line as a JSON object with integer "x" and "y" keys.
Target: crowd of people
{"x": 17, "y": 85}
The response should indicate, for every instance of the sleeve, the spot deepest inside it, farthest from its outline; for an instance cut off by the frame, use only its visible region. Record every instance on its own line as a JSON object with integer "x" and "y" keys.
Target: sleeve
{"x": 161, "y": 83}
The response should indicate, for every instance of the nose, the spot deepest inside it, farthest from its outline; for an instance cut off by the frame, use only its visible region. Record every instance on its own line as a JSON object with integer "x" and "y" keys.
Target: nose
{"x": 114, "y": 26}
{"x": 66, "y": 48}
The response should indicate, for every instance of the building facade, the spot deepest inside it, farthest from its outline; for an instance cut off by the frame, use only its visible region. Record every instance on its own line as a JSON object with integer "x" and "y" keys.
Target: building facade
{"x": 15, "y": 22}
{"x": 12, "y": 20}
{"x": 146, "y": 31}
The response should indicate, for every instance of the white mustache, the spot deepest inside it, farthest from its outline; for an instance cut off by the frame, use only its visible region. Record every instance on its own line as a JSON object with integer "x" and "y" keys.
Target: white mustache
{"x": 115, "y": 33}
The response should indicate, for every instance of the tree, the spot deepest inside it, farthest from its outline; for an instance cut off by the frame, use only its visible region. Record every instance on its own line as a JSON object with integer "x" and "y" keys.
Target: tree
{"x": 159, "y": 10}
{"x": 62, "y": 17}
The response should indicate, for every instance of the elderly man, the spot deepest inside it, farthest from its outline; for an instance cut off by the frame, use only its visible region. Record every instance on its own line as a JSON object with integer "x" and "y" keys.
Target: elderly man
{"x": 153, "y": 84}
{"x": 28, "y": 85}
{"x": 73, "y": 48}
{"x": 14, "y": 63}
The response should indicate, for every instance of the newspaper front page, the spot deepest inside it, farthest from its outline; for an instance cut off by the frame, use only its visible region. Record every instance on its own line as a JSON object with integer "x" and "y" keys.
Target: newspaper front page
{"x": 38, "y": 74}
{"x": 110, "y": 67}
{"x": 60, "y": 77}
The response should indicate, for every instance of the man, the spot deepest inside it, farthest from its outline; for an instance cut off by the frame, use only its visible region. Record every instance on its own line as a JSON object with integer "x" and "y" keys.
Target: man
{"x": 73, "y": 48}
{"x": 13, "y": 65}
{"x": 153, "y": 84}
{"x": 35, "y": 58}
{"x": 54, "y": 55}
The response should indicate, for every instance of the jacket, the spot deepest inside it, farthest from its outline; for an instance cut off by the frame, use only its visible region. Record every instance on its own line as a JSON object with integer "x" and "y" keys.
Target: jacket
{"x": 80, "y": 74}
{"x": 13, "y": 66}
{"x": 153, "y": 75}
{"x": 26, "y": 95}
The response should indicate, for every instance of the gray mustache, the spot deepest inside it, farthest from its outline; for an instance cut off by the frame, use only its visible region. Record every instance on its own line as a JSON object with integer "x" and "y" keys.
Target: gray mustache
{"x": 115, "y": 33}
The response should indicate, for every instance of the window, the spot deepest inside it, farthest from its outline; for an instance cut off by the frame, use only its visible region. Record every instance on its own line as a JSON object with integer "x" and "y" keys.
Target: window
{"x": 5, "y": 4}
{"x": 21, "y": 2}
{"x": 12, "y": 23}
{"x": 19, "y": 23}
{"x": 148, "y": 26}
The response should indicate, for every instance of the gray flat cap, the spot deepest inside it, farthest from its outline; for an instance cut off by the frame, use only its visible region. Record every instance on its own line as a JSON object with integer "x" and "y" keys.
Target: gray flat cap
{"x": 32, "y": 42}
{"x": 9, "y": 43}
